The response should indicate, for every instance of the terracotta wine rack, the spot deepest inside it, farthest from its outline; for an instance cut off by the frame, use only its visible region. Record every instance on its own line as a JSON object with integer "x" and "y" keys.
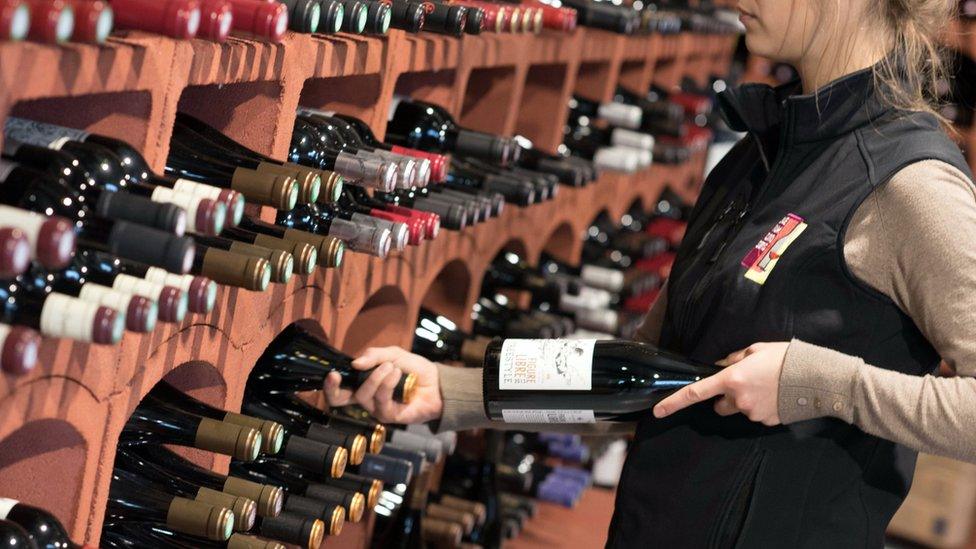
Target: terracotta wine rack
{"x": 59, "y": 425}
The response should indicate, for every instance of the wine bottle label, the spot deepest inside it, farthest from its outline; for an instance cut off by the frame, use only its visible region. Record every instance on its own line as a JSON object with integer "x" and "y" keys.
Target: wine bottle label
{"x": 41, "y": 134}
{"x": 546, "y": 364}
{"x": 137, "y": 286}
{"x": 68, "y": 317}
{"x": 548, "y": 416}
{"x": 6, "y": 504}
{"x": 166, "y": 278}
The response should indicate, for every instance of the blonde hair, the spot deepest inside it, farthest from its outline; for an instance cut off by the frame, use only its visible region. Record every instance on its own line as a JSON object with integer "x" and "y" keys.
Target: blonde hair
{"x": 909, "y": 77}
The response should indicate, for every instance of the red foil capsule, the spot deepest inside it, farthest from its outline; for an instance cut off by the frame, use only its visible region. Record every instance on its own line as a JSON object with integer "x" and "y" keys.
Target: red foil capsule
{"x": 216, "y": 20}
{"x": 52, "y": 21}
{"x": 438, "y": 162}
{"x": 93, "y": 20}
{"x": 561, "y": 19}
{"x": 265, "y": 19}
{"x": 15, "y": 19}
{"x": 174, "y": 18}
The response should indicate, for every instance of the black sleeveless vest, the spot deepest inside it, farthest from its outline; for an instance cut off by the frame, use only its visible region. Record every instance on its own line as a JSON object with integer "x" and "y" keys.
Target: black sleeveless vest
{"x": 763, "y": 260}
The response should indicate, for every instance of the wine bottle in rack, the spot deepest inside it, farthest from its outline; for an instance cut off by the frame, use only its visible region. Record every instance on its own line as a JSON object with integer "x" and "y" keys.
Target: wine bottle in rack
{"x": 14, "y": 537}
{"x": 305, "y": 495}
{"x": 451, "y": 215}
{"x": 562, "y": 381}
{"x": 329, "y": 249}
{"x": 357, "y": 236}
{"x": 303, "y": 15}
{"x": 310, "y": 148}
{"x": 243, "y": 508}
{"x": 42, "y": 528}
{"x": 282, "y": 263}
{"x": 125, "y": 535}
{"x": 305, "y": 256}
{"x": 93, "y": 21}
{"x": 51, "y": 21}
{"x": 178, "y": 19}
{"x": 16, "y": 21}
{"x": 261, "y": 19}
{"x": 232, "y": 269}
{"x": 156, "y": 421}
{"x": 408, "y": 16}
{"x": 332, "y": 15}
{"x": 298, "y": 360}
{"x": 164, "y": 461}
{"x": 438, "y": 338}
{"x": 418, "y": 227}
{"x": 132, "y": 499}
{"x": 290, "y": 528}
{"x": 19, "y": 347}
{"x": 59, "y": 315}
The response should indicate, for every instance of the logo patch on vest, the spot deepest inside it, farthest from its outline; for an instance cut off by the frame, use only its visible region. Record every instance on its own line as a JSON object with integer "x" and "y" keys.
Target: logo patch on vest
{"x": 762, "y": 259}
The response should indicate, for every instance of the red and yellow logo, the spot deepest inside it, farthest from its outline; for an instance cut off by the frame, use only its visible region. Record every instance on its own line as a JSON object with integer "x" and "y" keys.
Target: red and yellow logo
{"x": 762, "y": 259}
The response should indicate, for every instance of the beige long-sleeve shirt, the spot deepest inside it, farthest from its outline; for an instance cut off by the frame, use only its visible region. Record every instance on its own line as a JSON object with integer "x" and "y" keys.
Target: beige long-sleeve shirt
{"x": 914, "y": 240}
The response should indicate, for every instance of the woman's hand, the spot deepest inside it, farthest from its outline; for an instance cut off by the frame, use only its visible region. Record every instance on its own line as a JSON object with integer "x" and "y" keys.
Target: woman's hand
{"x": 376, "y": 393}
{"x": 748, "y": 385}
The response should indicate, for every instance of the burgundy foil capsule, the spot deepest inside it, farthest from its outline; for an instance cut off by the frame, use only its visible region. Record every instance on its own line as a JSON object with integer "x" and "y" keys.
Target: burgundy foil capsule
{"x": 172, "y": 304}
{"x": 174, "y": 18}
{"x": 265, "y": 19}
{"x": 18, "y": 349}
{"x": 107, "y": 326}
{"x": 216, "y": 20}
{"x": 202, "y": 295}
{"x": 14, "y": 252}
{"x": 52, "y": 21}
{"x": 15, "y": 20}
{"x": 141, "y": 315}
{"x": 93, "y": 21}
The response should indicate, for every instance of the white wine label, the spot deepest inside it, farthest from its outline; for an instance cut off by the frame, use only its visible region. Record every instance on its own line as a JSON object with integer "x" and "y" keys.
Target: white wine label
{"x": 41, "y": 134}
{"x": 546, "y": 364}
{"x": 166, "y": 278}
{"x": 6, "y": 504}
{"x": 548, "y": 416}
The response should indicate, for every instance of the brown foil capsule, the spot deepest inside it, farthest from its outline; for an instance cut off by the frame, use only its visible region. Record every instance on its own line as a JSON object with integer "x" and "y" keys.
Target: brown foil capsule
{"x": 200, "y": 519}
{"x": 450, "y": 514}
{"x": 330, "y": 249}
{"x": 269, "y": 498}
{"x": 282, "y": 262}
{"x": 280, "y": 191}
{"x": 305, "y": 254}
{"x": 232, "y": 269}
{"x": 309, "y": 180}
{"x": 244, "y": 509}
{"x": 332, "y": 184}
{"x": 240, "y": 541}
{"x": 475, "y": 508}
{"x": 439, "y": 532}
{"x": 228, "y": 439}
{"x": 272, "y": 433}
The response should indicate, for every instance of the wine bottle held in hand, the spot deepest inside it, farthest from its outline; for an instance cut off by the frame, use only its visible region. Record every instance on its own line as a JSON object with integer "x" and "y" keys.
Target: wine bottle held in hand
{"x": 580, "y": 381}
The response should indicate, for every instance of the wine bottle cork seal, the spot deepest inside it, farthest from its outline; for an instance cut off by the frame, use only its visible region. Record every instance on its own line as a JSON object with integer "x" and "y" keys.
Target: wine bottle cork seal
{"x": 441, "y": 531}
{"x": 228, "y": 439}
{"x": 373, "y": 495}
{"x": 272, "y": 433}
{"x": 337, "y": 520}
{"x": 377, "y": 438}
{"x": 443, "y": 512}
{"x": 244, "y": 509}
{"x": 278, "y": 190}
{"x": 332, "y": 184}
{"x": 357, "y": 507}
{"x": 282, "y": 263}
{"x": 339, "y": 461}
{"x": 309, "y": 181}
{"x": 240, "y": 541}
{"x": 18, "y": 349}
{"x": 329, "y": 248}
{"x": 475, "y": 508}
{"x": 317, "y": 534}
{"x": 306, "y": 255}
{"x": 357, "y": 450}
{"x": 200, "y": 519}
{"x": 233, "y": 269}
{"x": 269, "y": 499}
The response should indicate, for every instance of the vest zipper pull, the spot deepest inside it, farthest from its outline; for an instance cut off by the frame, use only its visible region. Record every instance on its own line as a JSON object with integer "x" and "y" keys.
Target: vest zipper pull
{"x": 719, "y": 219}
{"x": 733, "y": 230}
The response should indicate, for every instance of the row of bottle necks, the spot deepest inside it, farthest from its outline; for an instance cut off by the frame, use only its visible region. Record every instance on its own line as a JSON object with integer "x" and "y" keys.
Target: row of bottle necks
{"x": 95, "y": 243}
{"x": 298, "y": 473}
{"x": 92, "y": 21}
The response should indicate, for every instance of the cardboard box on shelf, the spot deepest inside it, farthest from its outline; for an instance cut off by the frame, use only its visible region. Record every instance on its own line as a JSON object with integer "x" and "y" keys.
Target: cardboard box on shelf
{"x": 941, "y": 506}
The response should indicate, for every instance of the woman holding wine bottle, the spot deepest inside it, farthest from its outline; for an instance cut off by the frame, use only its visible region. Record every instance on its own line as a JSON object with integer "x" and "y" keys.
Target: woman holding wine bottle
{"x": 828, "y": 266}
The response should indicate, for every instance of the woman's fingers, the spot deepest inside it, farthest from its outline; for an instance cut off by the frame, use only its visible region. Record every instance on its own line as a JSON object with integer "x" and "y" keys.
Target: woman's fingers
{"x": 333, "y": 394}
{"x": 691, "y": 394}
{"x": 367, "y": 391}
{"x": 725, "y": 406}
{"x": 386, "y": 407}
{"x": 377, "y": 355}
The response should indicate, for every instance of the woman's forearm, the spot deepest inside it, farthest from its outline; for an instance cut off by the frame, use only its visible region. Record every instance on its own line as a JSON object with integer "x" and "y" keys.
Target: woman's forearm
{"x": 464, "y": 408}
{"x": 930, "y": 414}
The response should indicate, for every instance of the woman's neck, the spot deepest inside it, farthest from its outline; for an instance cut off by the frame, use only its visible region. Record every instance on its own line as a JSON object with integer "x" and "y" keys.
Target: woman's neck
{"x": 829, "y": 59}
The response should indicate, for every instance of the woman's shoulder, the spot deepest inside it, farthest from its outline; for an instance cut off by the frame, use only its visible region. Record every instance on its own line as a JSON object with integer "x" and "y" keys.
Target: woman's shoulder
{"x": 927, "y": 192}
